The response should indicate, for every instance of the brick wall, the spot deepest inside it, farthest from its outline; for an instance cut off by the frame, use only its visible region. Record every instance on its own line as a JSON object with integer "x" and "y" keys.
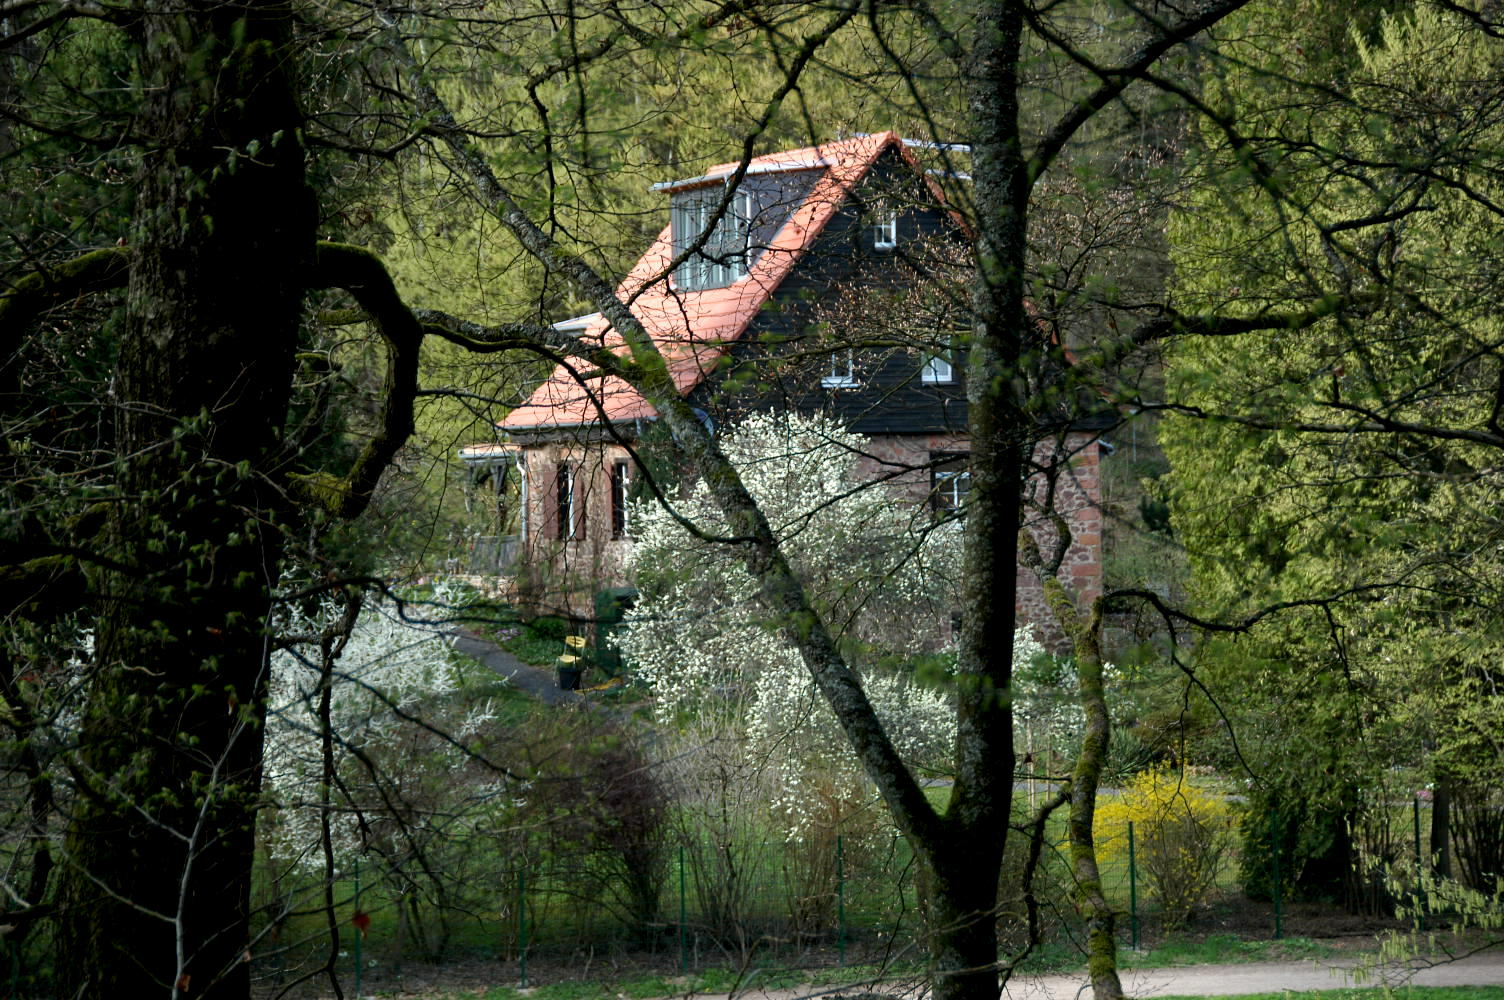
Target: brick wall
{"x": 562, "y": 575}
{"x": 1077, "y": 496}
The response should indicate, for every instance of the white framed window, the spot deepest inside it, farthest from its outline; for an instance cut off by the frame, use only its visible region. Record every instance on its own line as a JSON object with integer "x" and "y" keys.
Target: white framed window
{"x": 571, "y": 525}
{"x": 950, "y": 482}
{"x": 524, "y": 496}
{"x": 621, "y": 486}
{"x": 842, "y": 372}
{"x": 937, "y": 368}
{"x": 885, "y": 231}
{"x": 725, "y": 256}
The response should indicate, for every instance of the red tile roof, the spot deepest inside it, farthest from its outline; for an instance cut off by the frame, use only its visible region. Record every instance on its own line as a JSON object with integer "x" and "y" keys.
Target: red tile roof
{"x": 694, "y": 329}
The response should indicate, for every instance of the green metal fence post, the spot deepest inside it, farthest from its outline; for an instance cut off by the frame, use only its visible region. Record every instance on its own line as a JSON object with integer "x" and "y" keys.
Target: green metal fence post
{"x": 1276, "y": 888}
{"x": 522, "y": 925}
{"x": 840, "y": 899}
{"x": 683, "y": 942}
{"x": 359, "y": 931}
{"x": 1132, "y": 887}
{"x": 1420, "y": 871}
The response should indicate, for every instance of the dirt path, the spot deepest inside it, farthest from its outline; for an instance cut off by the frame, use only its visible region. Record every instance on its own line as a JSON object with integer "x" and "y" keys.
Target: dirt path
{"x": 1188, "y": 981}
{"x": 1255, "y": 977}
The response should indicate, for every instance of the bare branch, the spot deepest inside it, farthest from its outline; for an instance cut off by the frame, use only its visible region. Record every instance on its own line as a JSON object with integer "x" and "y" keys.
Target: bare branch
{"x": 1114, "y": 80}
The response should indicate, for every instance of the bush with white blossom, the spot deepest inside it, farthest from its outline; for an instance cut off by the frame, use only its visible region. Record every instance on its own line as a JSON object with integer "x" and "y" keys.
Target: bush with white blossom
{"x": 878, "y": 569}
{"x": 393, "y": 669}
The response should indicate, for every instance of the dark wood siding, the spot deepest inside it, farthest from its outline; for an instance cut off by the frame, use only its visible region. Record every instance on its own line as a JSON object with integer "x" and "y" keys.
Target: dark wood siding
{"x": 783, "y": 357}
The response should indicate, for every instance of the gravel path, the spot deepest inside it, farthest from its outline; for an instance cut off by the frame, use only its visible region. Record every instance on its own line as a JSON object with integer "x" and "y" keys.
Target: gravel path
{"x": 1182, "y": 981}
{"x": 1261, "y": 977}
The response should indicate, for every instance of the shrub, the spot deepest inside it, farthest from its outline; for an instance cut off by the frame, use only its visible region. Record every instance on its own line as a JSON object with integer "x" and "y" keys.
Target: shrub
{"x": 1312, "y": 825}
{"x": 838, "y": 821}
{"x": 1478, "y": 831}
{"x": 1184, "y": 838}
{"x": 1050, "y": 889}
{"x": 549, "y": 628}
{"x": 600, "y": 815}
{"x": 539, "y": 642}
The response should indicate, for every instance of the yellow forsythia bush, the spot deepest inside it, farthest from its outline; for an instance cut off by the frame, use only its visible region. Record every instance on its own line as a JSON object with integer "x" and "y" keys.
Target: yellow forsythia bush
{"x": 1184, "y": 837}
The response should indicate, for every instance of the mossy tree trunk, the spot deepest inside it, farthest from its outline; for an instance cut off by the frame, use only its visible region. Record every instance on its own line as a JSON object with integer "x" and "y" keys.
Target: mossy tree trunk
{"x": 157, "y": 870}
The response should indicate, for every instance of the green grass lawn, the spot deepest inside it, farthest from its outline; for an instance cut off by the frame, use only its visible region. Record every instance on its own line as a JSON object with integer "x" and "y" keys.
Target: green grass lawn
{"x": 710, "y": 981}
{"x": 1225, "y": 949}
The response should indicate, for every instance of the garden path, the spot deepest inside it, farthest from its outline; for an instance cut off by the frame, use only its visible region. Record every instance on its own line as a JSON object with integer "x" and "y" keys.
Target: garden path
{"x": 1486, "y": 969}
{"x": 536, "y": 681}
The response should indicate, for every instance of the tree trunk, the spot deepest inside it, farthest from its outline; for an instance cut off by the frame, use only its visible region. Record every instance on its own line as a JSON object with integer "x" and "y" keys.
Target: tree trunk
{"x": 159, "y": 852}
{"x": 1101, "y": 944}
{"x": 1441, "y": 825}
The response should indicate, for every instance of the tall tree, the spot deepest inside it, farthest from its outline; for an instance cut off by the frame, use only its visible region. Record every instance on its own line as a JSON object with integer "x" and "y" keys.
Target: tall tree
{"x": 174, "y": 553}
{"x": 1355, "y": 458}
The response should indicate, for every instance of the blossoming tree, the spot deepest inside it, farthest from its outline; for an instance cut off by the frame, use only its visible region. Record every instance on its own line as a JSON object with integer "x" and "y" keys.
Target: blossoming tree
{"x": 870, "y": 560}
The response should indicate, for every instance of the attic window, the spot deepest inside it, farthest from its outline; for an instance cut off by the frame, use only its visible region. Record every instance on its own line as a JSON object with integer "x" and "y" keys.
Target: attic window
{"x": 725, "y": 255}
{"x": 937, "y": 368}
{"x": 885, "y": 231}
{"x": 842, "y": 373}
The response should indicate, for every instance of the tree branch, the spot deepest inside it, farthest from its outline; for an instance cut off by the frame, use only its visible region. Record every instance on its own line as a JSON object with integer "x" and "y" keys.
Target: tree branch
{"x": 1371, "y": 423}
{"x": 44, "y": 289}
{"x": 780, "y": 588}
{"x": 362, "y": 274}
{"x": 1091, "y": 364}
{"x": 1117, "y": 79}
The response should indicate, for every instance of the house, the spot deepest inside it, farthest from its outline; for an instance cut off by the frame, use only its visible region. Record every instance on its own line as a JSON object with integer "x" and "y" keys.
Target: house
{"x": 763, "y": 311}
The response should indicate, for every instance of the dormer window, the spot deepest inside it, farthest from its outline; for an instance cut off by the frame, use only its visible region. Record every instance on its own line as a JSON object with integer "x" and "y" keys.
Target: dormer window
{"x": 725, "y": 255}
{"x": 937, "y": 368}
{"x": 842, "y": 372}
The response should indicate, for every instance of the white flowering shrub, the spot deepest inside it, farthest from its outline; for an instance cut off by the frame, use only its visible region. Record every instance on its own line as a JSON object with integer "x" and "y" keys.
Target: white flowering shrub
{"x": 391, "y": 670}
{"x": 1047, "y": 715}
{"x": 876, "y": 567}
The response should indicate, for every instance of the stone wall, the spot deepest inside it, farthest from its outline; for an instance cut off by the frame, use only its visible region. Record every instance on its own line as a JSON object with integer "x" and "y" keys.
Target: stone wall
{"x": 1078, "y": 498}
{"x": 560, "y": 575}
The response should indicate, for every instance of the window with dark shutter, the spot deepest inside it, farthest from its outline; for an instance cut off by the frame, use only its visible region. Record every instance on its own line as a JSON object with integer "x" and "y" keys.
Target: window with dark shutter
{"x": 621, "y": 484}
{"x": 566, "y": 502}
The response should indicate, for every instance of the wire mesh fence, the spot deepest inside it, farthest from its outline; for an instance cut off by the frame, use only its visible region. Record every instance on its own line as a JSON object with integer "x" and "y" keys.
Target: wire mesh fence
{"x": 705, "y": 904}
